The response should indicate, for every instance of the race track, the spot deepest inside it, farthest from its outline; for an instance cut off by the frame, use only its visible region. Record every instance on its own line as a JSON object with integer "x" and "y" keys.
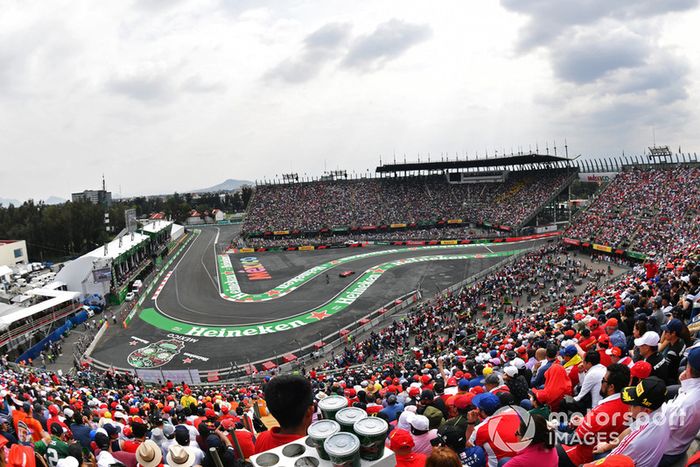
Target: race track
{"x": 206, "y": 311}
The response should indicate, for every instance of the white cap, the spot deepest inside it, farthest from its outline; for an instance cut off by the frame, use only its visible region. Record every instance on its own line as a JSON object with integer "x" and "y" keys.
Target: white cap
{"x": 510, "y": 371}
{"x": 650, "y": 338}
{"x": 117, "y": 415}
{"x": 68, "y": 412}
{"x": 518, "y": 363}
{"x": 420, "y": 423}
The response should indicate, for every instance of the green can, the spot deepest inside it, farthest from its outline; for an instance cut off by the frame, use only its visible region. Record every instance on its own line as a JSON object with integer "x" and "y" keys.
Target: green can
{"x": 343, "y": 450}
{"x": 320, "y": 431}
{"x": 330, "y": 405}
{"x": 371, "y": 432}
{"x": 348, "y": 416}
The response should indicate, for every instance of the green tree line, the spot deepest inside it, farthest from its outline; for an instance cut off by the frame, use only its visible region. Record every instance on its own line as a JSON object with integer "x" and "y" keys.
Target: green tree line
{"x": 64, "y": 231}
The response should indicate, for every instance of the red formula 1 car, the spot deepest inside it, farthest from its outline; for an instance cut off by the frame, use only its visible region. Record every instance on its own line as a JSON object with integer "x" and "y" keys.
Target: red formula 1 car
{"x": 346, "y": 273}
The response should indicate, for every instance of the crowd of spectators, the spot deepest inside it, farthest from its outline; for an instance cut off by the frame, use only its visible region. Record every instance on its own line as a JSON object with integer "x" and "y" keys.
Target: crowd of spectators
{"x": 550, "y": 334}
{"x": 646, "y": 210}
{"x": 384, "y": 201}
{"x": 435, "y": 233}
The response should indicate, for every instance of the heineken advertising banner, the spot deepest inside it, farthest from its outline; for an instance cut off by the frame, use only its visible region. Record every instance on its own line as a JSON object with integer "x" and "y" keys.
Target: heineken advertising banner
{"x": 341, "y": 301}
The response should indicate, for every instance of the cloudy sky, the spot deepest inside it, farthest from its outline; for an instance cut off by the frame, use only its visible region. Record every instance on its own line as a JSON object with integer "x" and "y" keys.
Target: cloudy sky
{"x": 163, "y": 95}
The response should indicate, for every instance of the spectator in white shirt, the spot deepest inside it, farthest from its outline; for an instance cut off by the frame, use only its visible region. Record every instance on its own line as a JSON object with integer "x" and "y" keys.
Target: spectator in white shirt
{"x": 645, "y": 440}
{"x": 683, "y": 412}
{"x": 591, "y": 380}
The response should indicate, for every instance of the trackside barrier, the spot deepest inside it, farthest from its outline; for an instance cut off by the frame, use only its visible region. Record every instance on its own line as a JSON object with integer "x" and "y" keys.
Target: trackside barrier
{"x": 444, "y": 241}
{"x": 605, "y": 248}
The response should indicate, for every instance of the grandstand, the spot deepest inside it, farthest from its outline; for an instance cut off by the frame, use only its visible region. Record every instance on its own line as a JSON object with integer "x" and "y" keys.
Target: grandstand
{"x": 504, "y": 194}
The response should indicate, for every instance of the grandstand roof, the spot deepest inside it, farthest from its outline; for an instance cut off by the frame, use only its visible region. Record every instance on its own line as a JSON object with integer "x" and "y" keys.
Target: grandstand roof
{"x": 507, "y": 161}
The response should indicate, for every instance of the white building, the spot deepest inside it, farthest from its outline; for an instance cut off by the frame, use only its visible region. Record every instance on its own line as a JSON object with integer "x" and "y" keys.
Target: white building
{"x": 13, "y": 252}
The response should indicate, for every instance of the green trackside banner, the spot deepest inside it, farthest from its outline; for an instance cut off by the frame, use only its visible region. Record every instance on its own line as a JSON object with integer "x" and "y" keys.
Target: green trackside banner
{"x": 231, "y": 289}
{"x": 341, "y": 301}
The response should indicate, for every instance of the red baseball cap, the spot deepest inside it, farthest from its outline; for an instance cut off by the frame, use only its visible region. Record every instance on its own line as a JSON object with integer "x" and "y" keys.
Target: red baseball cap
{"x": 611, "y": 323}
{"x": 400, "y": 439}
{"x": 641, "y": 369}
{"x": 615, "y": 352}
{"x": 414, "y": 392}
{"x": 463, "y": 401}
{"x": 593, "y": 322}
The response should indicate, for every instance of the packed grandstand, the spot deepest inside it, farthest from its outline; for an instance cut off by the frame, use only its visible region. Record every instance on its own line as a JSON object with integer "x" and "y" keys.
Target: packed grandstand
{"x": 563, "y": 356}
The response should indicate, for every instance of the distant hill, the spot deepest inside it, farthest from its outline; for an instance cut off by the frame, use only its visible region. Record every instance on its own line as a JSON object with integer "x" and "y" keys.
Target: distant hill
{"x": 54, "y": 200}
{"x": 7, "y": 201}
{"x": 228, "y": 185}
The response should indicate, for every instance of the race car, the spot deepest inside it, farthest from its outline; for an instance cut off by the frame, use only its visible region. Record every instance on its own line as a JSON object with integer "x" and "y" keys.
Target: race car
{"x": 346, "y": 273}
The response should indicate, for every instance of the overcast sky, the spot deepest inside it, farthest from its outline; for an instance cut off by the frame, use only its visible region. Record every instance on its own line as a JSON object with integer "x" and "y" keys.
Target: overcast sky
{"x": 163, "y": 95}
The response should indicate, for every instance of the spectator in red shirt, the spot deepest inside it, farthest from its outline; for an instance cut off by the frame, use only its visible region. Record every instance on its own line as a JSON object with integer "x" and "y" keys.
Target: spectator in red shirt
{"x": 290, "y": 400}
{"x": 401, "y": 442}
{"x": 601, "y": 423}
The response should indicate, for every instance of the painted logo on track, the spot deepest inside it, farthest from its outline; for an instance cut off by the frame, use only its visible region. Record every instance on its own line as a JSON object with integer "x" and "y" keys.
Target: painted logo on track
{"x": 254, "y": 270}
{"x": 155, "y": 354}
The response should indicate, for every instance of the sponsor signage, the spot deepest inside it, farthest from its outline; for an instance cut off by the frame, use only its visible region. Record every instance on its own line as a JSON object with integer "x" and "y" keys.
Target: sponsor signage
{"x": 604, "y": 248}
{"x": 454, "y": 221}
{"x": 596, "y": 177}
{"x": 448, "y": 242}
{"x": 280, "y": 232}
{"x": 397, "y": 226}
{"x": 306, "y": 248}
{"x": 571, "y": 241}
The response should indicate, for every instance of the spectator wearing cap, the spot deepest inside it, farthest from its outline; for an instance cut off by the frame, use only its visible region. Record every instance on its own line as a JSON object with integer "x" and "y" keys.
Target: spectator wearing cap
{"x": 169, "y": 438}
{"x": 607, "y": 419}
{"x": 494, "y": 385}
{"x": 401, "y": 442}
{"x": 290, "y": 400}
{"x": 103, "y": 451}
{"x": 392, "y": 409}
{"x": 572, "y": 363}
{"x": 645, "y": 439}
{"x": 648, "y": 346}
{"x": 639, "y": 371}
{"x": 587, "y": 341}
{"x": 422, "y": 434}
{"x": 672, "y": 347}
{"x": 5, "y": 432}
{"x": 138, "y": 431}
{"x": 224, "y": 449}
{"x": 182, "y": 438}
{"x": 452, "y": 437}
{"x": 481, "y": 431}
{"x": 56, "y": 444}
{"x": 432, "y": 407}
{"x": 54, "y": 412}
{"x": 244, "y": 437}
{"x": 602, "y": 346}
{"x": 517, "y": 384}
{"x": 617, "y": 337}
{"x": 683, "y": 412}
{"x": 617, "y": 356}
{"x": 462, "y": 404}
{"x": 596, "y": 330}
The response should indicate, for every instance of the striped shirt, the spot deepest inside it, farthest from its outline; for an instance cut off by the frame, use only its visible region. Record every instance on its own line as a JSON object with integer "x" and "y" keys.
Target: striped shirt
{"x": 646, "y": 442}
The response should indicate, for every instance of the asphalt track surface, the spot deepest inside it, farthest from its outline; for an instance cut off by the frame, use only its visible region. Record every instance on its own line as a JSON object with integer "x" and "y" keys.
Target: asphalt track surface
{"x": 193, "y": 294}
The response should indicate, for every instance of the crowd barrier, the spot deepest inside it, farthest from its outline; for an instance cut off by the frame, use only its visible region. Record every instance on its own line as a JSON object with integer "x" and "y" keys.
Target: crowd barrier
{"x": 605, "y": 248}
{"x": 34, "y": 351}
{"x": 342, "y": 230}
{"x": 451, "y": 241}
